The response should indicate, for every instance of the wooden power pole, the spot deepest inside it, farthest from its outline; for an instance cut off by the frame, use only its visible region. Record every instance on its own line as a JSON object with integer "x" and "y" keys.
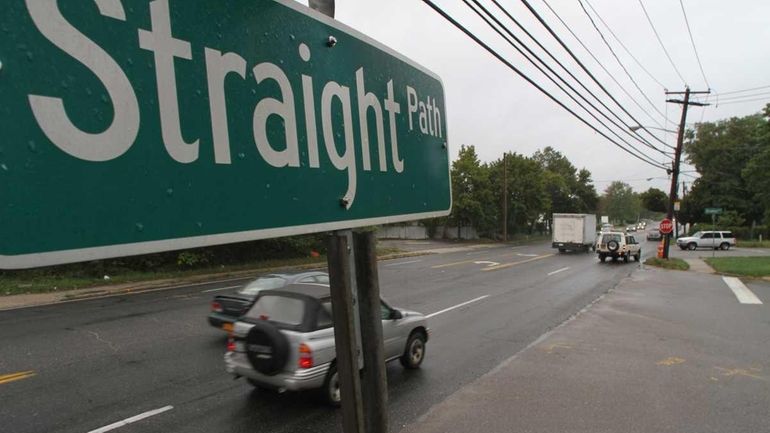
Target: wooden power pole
{"x": 678, "y": 155}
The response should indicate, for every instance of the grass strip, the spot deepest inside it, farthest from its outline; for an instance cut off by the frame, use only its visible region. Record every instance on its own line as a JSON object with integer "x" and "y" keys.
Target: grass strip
{"x": 741, "y": 266}
{"x": 671, "y": 263}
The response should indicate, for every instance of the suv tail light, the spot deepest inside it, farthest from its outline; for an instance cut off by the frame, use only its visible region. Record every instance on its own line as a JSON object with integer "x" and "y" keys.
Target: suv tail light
{"x": 216, "y": 307}
{"x": 305, "y": 356}
{"x": 230, "y": 344}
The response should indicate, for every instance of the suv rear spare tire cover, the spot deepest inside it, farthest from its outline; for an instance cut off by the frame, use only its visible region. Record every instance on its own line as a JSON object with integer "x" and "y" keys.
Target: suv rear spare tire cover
{"x": 267, "y": 348}
{"x": 613, "y": 245}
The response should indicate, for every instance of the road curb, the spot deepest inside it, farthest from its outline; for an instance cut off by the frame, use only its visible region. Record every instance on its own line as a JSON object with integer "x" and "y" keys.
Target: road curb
{"x": 15, "y": 302}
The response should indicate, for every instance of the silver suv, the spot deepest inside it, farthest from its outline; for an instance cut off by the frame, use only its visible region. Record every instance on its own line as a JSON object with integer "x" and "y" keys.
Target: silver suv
{"x": 285, "y": 341}
{"x": 707, "y": 239}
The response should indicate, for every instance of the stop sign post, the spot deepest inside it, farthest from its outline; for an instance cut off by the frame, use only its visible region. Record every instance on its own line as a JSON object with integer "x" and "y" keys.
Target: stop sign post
{"x": 666, "y": 226}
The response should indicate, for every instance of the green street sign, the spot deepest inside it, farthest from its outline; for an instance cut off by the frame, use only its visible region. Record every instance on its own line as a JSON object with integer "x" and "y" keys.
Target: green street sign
{"x": 713, "y": 210}
{"x": 140, "y": 126}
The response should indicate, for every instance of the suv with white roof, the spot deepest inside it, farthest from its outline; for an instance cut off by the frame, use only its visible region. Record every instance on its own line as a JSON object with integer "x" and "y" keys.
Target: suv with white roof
{"x": 285, "y": 341}
{"x": 617, "y": 245}
{"x": 722, "y": 240}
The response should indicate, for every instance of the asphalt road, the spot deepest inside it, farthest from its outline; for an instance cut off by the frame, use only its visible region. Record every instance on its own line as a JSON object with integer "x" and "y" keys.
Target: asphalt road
{"x": 93, "y": 363}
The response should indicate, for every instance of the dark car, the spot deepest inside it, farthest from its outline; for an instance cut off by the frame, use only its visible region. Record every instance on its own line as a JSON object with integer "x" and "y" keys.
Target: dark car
{"x": 225, "y": 309}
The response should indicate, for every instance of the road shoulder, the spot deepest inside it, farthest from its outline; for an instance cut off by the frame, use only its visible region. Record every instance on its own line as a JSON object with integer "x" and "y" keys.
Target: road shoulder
{"x": 665, "y": 351}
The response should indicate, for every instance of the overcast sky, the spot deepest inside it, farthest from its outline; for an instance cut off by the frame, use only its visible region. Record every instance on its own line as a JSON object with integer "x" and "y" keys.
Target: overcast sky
{"x": 495, "y": 110}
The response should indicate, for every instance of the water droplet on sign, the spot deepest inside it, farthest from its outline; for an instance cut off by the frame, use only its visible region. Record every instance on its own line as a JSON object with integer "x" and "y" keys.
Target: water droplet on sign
{"x": 170, "y": 192}
{"x": 241, "y": 155}
{"x": 32, "y": 146}
{"x": 139, "y": 226}
{"x": 4, "y": 167}
{"x": 30, "y": 56}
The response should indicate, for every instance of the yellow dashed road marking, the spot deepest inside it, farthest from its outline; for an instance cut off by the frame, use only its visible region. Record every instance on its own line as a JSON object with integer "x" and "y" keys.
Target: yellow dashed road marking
{"x": 671, "y": 361}
{"x": 551, "y": 347}
{"x": 508, "y": 265}
{"x": 750, "y": 372}
{"x": 7, "y": 378}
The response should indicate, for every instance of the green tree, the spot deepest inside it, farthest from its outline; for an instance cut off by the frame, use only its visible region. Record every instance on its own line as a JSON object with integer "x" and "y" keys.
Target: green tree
{"x": 471, "y": 193}
{"x": 654, "y": 200}
{"x": 527, "y": 199}
{"x": 728, "y": 155}
{"x": 620, "y": 203}
{"x": 568, "y": 190}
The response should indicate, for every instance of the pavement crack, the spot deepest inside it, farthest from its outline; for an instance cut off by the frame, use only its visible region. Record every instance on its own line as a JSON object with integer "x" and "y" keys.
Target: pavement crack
{"x": 102, "y": 340}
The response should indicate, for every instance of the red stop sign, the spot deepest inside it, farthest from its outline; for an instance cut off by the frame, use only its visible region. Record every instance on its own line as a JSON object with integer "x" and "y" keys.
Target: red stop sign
{"x": 666, "y": 226}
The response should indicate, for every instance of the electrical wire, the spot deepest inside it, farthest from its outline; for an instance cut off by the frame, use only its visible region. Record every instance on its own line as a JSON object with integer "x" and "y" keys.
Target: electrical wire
{"x": 609, "y": 74}
{"x": 649, "y": 20}
{"x": 741, "y": 91}
{"x": 518, "y": 72}
{"x": 747, "y": 100}
{"x": 582, "y": 66}
{"x": 617, "y": 59}
{"x": 692, "y": 40}
{"x": 750, "y": 95}
{"x": 624, "y": 127}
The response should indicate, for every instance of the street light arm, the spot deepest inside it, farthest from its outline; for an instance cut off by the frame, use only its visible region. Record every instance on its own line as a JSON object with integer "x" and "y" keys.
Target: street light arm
{"x": 638, "y": 127}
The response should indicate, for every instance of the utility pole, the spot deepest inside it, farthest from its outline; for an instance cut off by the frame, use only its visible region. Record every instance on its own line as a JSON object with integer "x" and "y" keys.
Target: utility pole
{"x": 505, "y": 198}
{"x": 678, "y": 154}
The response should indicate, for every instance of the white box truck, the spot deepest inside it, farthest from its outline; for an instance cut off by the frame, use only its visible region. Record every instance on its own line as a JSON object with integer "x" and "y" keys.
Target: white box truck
{"x": 574, "y": 231}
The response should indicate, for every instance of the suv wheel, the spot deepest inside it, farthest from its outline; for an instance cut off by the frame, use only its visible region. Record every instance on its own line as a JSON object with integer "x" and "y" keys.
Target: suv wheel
{"x": 692, "y": 246}
{"x": 638, "y": 256}
{"x": 415, "y": 351}
{"x": 725, "y": 246}
{"x": 331, "y": 388}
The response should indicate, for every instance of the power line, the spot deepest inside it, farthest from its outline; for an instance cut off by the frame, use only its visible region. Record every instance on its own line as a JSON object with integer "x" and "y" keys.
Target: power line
{"x": 749, "y": 95}
{"x": 518, "y": 72}
{"x": 649, "y": 20}
{"x": 624, "y": 127}
{"x": 609, "y": 74}
{"x": 742, "y": 91}
{"x": 617, "y": 59}
{"x": 620, "y": 42}
{"x": 582, "y": 66}
{"x": 689, "y": 31}
{"x": 747, "y": 100}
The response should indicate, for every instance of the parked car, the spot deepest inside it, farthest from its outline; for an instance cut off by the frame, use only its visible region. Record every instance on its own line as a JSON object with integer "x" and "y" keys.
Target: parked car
{"x": 285, "y": 341}
{"x": 654, "y": 235}
{"x": 722, "y": 240}
{"x": 226, "y": 308}
{"x": 630, "y": 229}
{"x": 617, "y": 245}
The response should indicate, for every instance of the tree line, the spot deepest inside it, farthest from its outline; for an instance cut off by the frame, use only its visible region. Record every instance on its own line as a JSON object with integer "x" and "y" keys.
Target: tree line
{"x": 532, "y": 189}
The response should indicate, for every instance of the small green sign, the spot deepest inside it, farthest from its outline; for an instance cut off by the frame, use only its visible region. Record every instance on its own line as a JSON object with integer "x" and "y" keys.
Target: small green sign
{"x": 713, "y": 210}
{"x": 140, "y": 126}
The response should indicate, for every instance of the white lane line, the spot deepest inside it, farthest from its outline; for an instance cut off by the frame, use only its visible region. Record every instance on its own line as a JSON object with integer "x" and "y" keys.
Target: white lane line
{"x": 456, "y": 307}
{"x": 486, "y": 262}
{"x": 526, "y": 255}
{"x": 221, "y": 288}
{"x": 133, "y": 419}
{"x": 557, "y": 271}
{"x": 744, "y": 295}
{"x": 402, "y": 263}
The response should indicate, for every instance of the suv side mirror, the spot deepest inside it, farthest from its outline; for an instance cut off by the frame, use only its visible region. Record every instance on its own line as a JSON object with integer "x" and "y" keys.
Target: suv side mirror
{"x": 396, "y": 315}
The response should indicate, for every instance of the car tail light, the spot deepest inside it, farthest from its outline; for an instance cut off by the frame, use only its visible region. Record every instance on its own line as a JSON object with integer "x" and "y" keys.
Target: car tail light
{"x": 230, "y": 344}
{"x": 305, "y": 356}
{"x": 216, "y": 307}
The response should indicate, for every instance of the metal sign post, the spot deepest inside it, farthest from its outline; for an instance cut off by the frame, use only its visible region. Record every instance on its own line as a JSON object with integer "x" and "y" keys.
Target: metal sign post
{"x": 343, "y": 312}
